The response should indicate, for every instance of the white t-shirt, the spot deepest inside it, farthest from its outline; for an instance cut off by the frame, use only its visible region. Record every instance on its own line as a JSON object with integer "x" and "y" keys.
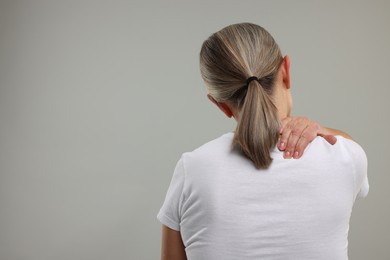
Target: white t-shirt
{"x": 299, "y": 209}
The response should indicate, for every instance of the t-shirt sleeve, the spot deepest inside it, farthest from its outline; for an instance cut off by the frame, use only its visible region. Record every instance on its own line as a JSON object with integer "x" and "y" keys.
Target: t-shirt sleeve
{"x": 361, "y": 179}
{"x": 170, "y": 212}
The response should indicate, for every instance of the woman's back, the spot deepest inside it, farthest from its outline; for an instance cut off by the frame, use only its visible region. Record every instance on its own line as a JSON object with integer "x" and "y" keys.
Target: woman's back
{"x": 225, "y": 208}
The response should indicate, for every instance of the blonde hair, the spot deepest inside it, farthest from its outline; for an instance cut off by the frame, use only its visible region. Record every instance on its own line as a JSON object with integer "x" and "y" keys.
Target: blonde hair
{"x": 227, "y": 59}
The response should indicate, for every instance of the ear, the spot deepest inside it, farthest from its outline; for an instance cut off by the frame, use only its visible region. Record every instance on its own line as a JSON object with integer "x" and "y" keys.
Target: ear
{"x": 285, "y": 67}
{"x": 222, "y": 106}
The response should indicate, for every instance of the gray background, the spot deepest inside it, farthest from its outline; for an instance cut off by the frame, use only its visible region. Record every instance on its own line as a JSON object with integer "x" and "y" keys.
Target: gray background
{"x": 98, "y": 99}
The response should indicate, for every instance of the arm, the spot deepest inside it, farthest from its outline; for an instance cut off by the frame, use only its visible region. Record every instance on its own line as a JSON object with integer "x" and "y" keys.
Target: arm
{"x": 172, "y": 245}
{"x": 325, "y": 131}
{"x": 297, "y": 132}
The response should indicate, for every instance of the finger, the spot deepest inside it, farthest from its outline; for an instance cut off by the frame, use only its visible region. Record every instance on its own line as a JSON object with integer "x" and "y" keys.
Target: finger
{"x": 285, "y": 133}
{"x": 307, "y": 136}
{"x": 284, "y": 122}
{"x": 330, "y": 139}
{"x": 294, "y": 136}
{"x": 287, "y": 125}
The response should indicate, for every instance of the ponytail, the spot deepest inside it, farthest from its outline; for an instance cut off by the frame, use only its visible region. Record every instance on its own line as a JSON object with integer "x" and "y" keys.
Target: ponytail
{"x": 227, "y": 58}
{"x": 257, "y": 130}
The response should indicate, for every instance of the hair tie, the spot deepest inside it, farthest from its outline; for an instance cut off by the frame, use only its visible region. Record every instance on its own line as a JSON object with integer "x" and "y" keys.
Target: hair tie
{"x": 251, "y": 79}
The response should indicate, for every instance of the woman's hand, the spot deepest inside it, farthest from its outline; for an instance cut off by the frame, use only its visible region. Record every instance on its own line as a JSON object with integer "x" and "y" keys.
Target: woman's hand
{"x": 297, "y": 132}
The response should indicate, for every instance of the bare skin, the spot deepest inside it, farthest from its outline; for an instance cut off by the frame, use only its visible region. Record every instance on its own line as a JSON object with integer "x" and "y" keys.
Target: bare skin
{"x": 295, "y": 134}
{"x": 172, "y": 245}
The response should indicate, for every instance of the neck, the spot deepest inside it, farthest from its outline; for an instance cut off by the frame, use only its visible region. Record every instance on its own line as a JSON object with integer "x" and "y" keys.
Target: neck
{"x": 283, "y": 101}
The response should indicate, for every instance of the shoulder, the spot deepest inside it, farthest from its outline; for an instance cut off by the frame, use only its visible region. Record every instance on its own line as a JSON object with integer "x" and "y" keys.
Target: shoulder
{"x": 359, "y": 161}
{"x": 344, "y": 148}
{"x": 215, "y": 147}
{"x": 352, "y": 148}
{"x": 213, "y": 153}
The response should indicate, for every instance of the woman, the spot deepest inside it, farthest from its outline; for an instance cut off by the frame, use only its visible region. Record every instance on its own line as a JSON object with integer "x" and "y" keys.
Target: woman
{"x": 237, "y": 197}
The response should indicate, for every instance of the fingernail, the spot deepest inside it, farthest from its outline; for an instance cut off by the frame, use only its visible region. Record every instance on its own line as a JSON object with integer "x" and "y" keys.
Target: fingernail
{"x": 287, "y": 154}
{"x": 282, "y": 145}
{"x": 296, "y": 155}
